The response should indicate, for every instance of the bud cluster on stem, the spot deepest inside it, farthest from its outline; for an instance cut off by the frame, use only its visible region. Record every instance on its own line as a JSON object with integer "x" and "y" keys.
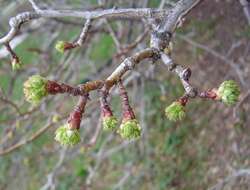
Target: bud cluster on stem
{"x": 176, "y": 111}
{"x": 37, "y": 87}
{"x": 54, "y": 87}
{"x": 130, "y": 128}
{"x": 68, "y": 134}
{"x": 62, "y": 46}
{"x": 15, "y": 61}
{"x": 108, "y": 119}
{"x": 76, "y": 115}
{"x": 228, "y": 92}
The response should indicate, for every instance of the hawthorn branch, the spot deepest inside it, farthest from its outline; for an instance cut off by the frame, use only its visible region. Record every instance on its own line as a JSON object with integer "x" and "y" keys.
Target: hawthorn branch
{"x": 128, "y": 64}
{"x": 82, "y": 38}
{"x": 139, "y": 13}
{"x": 183, "y": 73}
{"x": 179, "y": 11}
{"x": 84, "y": 32}
{"x": 166, "y": 22}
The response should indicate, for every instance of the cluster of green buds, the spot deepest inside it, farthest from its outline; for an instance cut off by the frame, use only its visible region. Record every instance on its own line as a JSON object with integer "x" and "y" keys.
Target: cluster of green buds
{"x": 109, "y": 122}
{"x": 228, "y": 92}
{"x": 129, "y": 128}
{"x": 61, "y": 46}
{"x": 175, "y": 111}
{"x": 35, "y": 89}
{"x": 68, "y": 134}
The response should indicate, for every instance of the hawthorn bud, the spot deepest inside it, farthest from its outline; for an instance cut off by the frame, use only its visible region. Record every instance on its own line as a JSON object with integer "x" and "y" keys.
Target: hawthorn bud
{"x": 229, "y": 92}
{"x": 35, "y": 89}
{"x": 67, "y": 136}
{"x": 130, "y": 129}
{"x": 175, "y": 111}
{"x": 109, "y": 123}
{"x": 16, "y": 64}
{"x": 60, "y": 46}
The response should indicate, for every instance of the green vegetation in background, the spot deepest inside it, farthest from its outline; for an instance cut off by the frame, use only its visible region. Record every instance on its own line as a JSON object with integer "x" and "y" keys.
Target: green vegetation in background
{"x": 172, "y": 140}
{"x": 5, "y": 81}
{"x": 245, "y": 33}
{"x": 204, "y": 28}
{"x": 102, "y": 49}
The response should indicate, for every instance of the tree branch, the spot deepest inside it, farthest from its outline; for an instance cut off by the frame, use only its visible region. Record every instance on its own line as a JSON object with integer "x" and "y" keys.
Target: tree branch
{"x": 16, "y": 22}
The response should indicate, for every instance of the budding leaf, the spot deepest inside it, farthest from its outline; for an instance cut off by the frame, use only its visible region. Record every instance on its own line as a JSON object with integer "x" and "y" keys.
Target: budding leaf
{"x": 130, "y": 129}
{"x": 66, "y": 136}
{"x": 109, "y": 123}
{"x": 35, "y": 89}
{"x": 60, "y": 46}
{"x": 16, "y": 65}
{"x": 175, "y": 111}
{"x": 229, "y": 92}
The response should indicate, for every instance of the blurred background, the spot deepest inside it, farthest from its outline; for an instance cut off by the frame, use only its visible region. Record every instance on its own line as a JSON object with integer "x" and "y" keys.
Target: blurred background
{"x": 210, "y": 149}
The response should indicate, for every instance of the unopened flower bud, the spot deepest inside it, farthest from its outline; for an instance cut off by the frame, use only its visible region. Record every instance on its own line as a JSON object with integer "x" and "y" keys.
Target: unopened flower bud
{"x": 175, "y": 111}
{"x": 67, "y": 136}
{"x": 35, "y": 89}
{"x": 229, "y": 92}
{"x": 130, "y": 129}
{"x": 60, "y": 46}
{"x": 109, "y": 122}
{"x": 16, "y": 64}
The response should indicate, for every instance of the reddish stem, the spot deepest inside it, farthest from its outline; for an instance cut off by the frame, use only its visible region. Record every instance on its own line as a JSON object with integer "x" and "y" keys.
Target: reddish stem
{"x": 105, "y": 108}
{"x": 54, "y": 87}
{"x": 210, "y": 94}
{"x": 183, "y": 100}
{"x": 69, "y": 45}
{"x": 12, "y": 53}
{"x": 128, "y": 112}
{"x": 76, "y": 116}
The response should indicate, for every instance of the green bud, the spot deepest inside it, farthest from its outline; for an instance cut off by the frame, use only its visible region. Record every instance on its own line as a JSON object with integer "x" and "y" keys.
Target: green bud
{"x": 66, "y": 136}
{"x": 175, "y": 111}
{"x": 35, "y": 89}
{"x": 16, "y": 65}
{"x": 109, "y": 123}
{"x": 229, "y": 92}
{"x": 60, "y": 45}
{"x": 130, "y": 129}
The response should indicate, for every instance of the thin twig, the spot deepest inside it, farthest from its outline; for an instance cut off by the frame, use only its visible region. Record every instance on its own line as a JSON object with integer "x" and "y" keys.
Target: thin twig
{"x": 236, "y": 174}
{"x": 28, "y": 140}
{"x": 231, "y": 63}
